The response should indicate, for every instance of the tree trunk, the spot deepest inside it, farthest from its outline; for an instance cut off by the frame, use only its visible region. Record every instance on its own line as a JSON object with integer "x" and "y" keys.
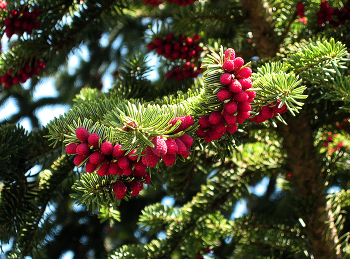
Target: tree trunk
{"x": 307, "y": 178}
{"x": 263, "y": 33}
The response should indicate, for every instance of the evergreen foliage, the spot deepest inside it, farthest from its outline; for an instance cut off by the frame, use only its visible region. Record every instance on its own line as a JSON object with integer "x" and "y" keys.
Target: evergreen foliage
{"x": 51, "y": 203}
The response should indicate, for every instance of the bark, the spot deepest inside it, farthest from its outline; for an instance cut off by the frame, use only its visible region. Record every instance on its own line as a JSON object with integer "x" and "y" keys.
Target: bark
{"x": 263, "y": 33}
{"x": 310, "y": 189}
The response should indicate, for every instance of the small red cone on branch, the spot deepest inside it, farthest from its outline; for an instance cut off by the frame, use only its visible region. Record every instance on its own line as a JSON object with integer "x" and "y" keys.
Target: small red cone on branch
{"x": 119, "y": 189}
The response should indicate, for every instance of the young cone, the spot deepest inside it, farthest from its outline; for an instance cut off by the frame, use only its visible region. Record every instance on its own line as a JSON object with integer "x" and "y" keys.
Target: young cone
{"x": 160, "y": 147}
{"x": 119, "y": 189}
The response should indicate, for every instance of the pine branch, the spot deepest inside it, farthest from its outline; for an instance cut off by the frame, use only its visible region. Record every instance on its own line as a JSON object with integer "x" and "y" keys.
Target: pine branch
{"x": 271, "y": 82}
{"x": 341, "y": 92}
{"x": 215, "y": 19}
{"x": 110, "y": 115}
{"x": 15, "y": 147}
{"x": 131, "y": 79}
{"x": 318, "y": 61}
{"x": 257, "y": 236}
{"x": 84, "y": 114}
{"x": 279, "y": 86}
{"x": 157, "y": 216}
{"x": 217, "y": 195}
{"x": 94, "y": 191}
{"x": 266, "y": 154}
{"x": 17, "y": 199}
{"x": 109, "y": 213}
{"x": 56, "y": 35}
{"x": 247, "y": 231}
{"x": 33, "y": 199}
{"x": 22, "y": 205}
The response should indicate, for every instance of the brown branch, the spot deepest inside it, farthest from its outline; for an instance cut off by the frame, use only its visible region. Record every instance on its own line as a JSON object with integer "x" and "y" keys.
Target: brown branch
{"x": 285, "y": 32}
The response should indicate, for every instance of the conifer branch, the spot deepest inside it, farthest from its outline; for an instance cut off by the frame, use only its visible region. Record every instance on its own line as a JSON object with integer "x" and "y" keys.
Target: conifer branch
{"x": 58, "y": 37}
{"x": 341, "y": 92}
{"x": 200, "y": 16}
{"x": 94, "y": 191}
{"x": 309, "y": 78}
{"x": 250, "y": 231}
{"x": 287, "y": 28}
{"x": 318, "y": 61}
{"x": 110, "y": 113}
{"x": 37, "y": 198}
{"x": 213, "y": 197}
{"x": 271, "y": 82}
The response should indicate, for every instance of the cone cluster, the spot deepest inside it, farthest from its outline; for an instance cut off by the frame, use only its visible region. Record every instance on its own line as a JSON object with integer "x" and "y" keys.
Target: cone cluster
{"x": 235, "y": 97}
{"x": 20, "y": 21}
{"x": 107, "y": 158}
{"x": 334, "y": 16}
{"x": 181, "y": 48}
{"x": 166, "y": 148}
{"x": 3, "y": 4}
{"x": 300, "y": 9}
{"x": 188, "y": 70}
{"x": 30, "y": 68}
{"x": 269, "y": 111}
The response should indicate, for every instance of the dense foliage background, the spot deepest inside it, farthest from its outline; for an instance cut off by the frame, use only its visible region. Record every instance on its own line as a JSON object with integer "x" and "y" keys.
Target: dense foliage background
{"x": 299, "y": 53}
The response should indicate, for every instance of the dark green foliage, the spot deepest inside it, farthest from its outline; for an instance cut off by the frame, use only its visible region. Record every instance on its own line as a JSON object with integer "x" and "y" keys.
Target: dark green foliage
{"x": 48, "y": 206}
